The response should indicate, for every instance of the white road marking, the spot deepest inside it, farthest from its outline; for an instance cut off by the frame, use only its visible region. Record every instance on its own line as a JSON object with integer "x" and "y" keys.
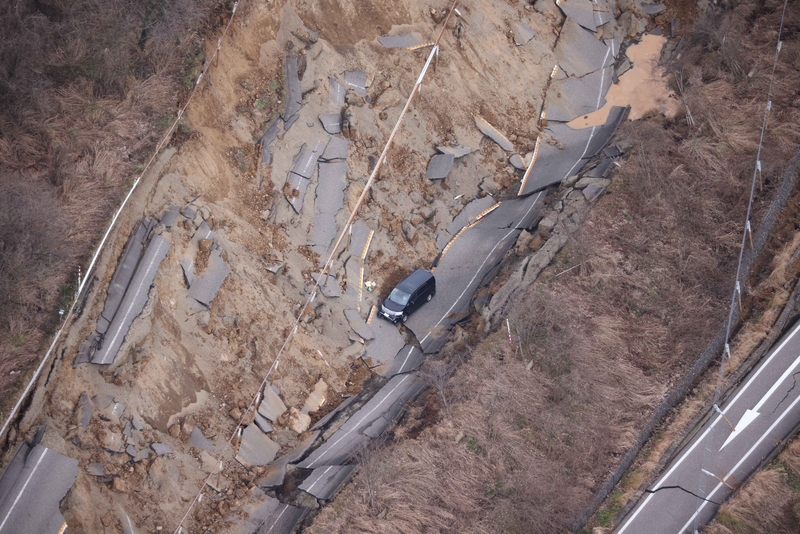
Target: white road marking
{"x": 285, "y": 507}
{"x": 597, "y": 106}
{"x": 14, "y": 504}
{"x": 318, "y": 479}
{"x": 410, "y": 350}
{"x": 139, "y": 288}
{"x": 735, "y": 467}
{"x": 702, "y": 437}
{"x": 330, "y": 448}
{"x": 748, "y": 417}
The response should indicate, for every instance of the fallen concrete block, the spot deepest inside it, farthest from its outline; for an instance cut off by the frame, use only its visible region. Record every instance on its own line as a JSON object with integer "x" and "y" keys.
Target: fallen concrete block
{"x": 199, "y": 440}
{"x": 357, "y": 80}
{"x": 161, "y": 449}
{"x": 271, "y": 406}
{"x": 336, "y": 149}
{"x": 457, "y": 151}
{"x": 358, "y": 325}
{"x": 439, "y": 166}
{"x": 134, "y": 300}
{"x": 329, "y": 286}
{"x": 294, "y": 95}
{"x": 95, "y": 469}
{"x": 126, "y": 267}
{"x": 324, "y": 482}
{"x": 169, "y": 216}
{"x": 522, "y": 34}
{"x": 492, "y": 133}
{"x": 256, "y": 448}
{"x": 406, "y": 40}
{"x": 581, "y": 11}
{"x": 331, "y": 122}
{"x": 206, "y": 285}
{"x": 578, "y": 52}
{"x": 517, "y": 163}
{"x": 653, "y": 8}
{"x": 336, "y": 92}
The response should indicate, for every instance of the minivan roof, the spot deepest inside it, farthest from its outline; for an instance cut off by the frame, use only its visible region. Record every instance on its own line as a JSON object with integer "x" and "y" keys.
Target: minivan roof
{"x": 414, "y": 280}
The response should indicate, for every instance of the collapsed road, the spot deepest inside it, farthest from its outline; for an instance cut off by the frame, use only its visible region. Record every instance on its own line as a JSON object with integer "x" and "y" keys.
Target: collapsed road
{"x": 197, "y": 306}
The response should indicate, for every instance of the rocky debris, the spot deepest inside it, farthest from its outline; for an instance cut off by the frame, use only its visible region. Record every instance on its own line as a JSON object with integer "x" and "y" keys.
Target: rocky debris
{"x": 629, "y": 26}
{"x": 653, "y": 8}
{"x": 298, "y": 421}
{"x": 409, "y": 231}
{"x": 492, "y": 133}
{"x": 271, "y": 406}
{"x": 161, "y": 449}
{"x": 95, "y": 469}
{"x": 602, "y": 169}
{"x": 84, "y": 411}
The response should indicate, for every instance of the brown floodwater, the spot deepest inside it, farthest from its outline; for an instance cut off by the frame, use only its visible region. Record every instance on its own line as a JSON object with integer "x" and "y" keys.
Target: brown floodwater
{"x": 643, "y": 87}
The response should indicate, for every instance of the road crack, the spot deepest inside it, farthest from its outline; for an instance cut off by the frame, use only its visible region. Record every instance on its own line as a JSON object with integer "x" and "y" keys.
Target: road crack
{"x": 794, "y": 385}
{"x": 682, "y": 489}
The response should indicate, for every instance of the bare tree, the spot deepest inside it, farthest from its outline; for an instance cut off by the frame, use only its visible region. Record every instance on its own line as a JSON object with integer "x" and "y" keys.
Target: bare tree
{"x": 437, "y": 374}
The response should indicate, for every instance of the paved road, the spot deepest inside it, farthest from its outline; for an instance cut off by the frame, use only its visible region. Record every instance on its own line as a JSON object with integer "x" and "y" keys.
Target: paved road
{"x": 31, "y": 489}
{"x": 469, "y": 261}
{"x": 764, "y": 411}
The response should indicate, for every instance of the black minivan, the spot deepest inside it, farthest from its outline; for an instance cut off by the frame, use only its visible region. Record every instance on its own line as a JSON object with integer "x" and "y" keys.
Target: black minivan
{"x": 415, "y": 290}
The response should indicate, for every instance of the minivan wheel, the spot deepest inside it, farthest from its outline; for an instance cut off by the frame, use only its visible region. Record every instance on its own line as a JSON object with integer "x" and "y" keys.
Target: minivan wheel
{"x": 404, "y": 318}
{"x": 430, "y": 296}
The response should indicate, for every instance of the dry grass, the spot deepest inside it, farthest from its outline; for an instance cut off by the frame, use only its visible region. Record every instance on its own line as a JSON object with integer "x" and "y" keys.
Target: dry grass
{"x": 84, "y": 89}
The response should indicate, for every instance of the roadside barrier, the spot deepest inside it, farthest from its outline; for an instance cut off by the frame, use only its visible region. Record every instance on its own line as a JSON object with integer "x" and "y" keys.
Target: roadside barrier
{"x": 736, "y": 297}
{"x": 720, "y": 344}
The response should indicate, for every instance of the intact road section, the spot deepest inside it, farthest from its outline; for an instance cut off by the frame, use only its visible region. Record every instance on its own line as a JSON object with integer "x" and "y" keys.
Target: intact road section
{"x": 764, "y": 411}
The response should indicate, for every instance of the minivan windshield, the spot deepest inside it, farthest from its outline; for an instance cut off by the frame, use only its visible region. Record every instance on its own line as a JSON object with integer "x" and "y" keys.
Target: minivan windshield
{"x": 400, "y": 297}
